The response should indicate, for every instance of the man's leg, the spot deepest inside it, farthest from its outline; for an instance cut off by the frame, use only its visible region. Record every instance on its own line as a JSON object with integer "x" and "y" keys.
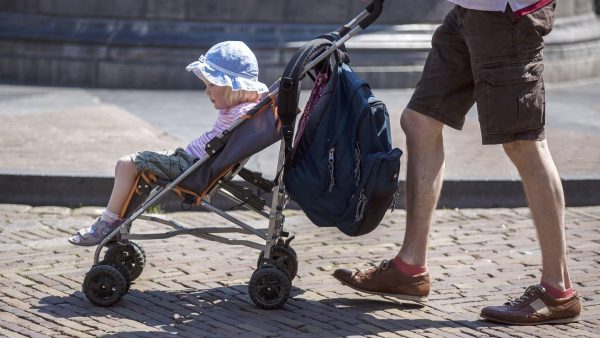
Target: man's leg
{"x": 406, "y": 276}
{"x": 553, "y": 301}
{"x": 425, "y": 172}
{"x": 544, "y": 192}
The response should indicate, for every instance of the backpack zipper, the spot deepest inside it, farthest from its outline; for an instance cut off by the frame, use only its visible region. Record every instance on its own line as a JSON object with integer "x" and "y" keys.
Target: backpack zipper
{"x": 360, "y": 206}
{"x": 394, "y": 200}
{"x": 396, "y": 193}
{"x": 331, "y": 168}
{"x": 356, "y": 163}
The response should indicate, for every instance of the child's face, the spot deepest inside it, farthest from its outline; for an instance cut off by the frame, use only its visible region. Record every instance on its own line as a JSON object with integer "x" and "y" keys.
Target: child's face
{"x": 216, "y": 95}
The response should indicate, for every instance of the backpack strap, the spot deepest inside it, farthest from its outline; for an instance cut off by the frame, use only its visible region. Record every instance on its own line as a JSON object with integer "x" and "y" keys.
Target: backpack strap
{"x": 289, "y": 88}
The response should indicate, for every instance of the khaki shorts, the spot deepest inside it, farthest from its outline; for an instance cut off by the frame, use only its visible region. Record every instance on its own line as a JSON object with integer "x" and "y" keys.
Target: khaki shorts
{"x": 494, "y": 60}
{"x": 167, "y": 165}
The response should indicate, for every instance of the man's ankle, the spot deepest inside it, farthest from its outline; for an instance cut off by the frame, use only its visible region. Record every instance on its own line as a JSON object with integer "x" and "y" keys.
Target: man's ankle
{"x": 408, "y": 269}
{"x": 557, "y": 292}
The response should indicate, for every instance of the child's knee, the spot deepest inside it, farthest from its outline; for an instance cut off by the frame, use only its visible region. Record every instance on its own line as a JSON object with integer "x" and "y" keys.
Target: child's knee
{"x": 125, "y": 163}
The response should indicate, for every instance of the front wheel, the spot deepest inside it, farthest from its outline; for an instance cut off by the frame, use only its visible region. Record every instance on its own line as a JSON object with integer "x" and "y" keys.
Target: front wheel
{"x": 104, "y": 285}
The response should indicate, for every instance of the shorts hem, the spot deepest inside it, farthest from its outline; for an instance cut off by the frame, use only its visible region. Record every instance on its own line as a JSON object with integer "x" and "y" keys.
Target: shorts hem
{"x": 435, "y": 115}
{"x": 531, "y": 135}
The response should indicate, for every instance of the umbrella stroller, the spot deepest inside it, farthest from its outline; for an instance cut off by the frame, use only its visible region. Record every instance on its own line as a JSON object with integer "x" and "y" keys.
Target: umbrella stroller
{"x": 109, "y": 279}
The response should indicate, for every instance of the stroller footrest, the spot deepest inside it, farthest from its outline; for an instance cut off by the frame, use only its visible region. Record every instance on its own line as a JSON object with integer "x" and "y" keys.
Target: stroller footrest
{"x": 244, "y": 194}
{"x": 255, "y": 178}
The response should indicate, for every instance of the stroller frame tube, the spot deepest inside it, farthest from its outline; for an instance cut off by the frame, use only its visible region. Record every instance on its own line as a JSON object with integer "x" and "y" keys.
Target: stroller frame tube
{"x": 276, "y": 217}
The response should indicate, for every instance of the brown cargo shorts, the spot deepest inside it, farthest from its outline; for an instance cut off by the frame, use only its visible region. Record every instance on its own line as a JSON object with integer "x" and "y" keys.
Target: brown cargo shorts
{"x": 495, "y": 60}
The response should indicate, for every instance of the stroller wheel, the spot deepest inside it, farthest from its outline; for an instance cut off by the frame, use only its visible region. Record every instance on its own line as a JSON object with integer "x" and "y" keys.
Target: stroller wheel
{"x": 284, "y": 257}
{"x": 131, "y": 255}
{"x": 269, "y": 287}
{"x": 104, "y": 285}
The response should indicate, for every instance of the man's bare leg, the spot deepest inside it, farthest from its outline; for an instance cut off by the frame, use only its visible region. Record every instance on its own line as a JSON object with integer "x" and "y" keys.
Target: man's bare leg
{"x": 554, "y": 301}
{"x": 406, "y": 277}
{"x": 425, "y": 173}
{"x": 544, "y": 192}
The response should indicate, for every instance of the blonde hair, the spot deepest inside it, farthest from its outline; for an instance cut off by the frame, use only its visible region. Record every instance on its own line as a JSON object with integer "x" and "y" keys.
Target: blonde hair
{"x": 233, "y": 98}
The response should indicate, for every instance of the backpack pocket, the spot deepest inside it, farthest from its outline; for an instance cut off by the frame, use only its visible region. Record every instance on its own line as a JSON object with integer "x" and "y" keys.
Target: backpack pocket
{"x": 374, "y": 194}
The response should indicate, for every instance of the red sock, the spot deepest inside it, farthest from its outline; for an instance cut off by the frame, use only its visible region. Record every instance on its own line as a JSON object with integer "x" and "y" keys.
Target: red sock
{"x": 557, "y": 293}
{"x": 408, "y": 269}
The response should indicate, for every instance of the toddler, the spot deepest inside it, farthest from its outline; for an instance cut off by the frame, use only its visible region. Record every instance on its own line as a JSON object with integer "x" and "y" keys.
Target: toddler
{"x": 230, "y": 72}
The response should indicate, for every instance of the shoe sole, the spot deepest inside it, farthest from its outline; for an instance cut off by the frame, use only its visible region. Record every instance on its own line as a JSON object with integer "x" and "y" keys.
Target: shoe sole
{"x": 87, "y": 244}
{"x": 416, "y": 299}
{"x": 552, "y": 321}
{"x": 82, "y": 244}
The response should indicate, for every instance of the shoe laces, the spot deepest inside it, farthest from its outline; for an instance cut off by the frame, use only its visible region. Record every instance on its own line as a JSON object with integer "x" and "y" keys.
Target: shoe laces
{"x": 374, "y": 271}
{"x": 531, "y": 292}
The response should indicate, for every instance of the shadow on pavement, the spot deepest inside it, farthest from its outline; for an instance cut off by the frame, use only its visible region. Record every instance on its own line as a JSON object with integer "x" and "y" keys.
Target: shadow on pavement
{"x": 217, "y": 310}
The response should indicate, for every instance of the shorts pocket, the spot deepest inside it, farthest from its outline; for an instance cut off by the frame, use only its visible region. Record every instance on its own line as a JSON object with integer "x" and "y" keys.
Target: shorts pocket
{"x": 511, "y": 97}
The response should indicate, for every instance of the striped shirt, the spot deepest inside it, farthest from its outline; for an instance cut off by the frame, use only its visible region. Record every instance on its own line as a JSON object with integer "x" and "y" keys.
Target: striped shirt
{"x": 519, "y": 7}
{"x": 225, "y": 119}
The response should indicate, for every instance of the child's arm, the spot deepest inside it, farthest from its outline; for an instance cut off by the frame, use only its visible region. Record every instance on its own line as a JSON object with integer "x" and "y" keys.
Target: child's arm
{"x": 197, "y": 145}
{"x": 224, "y": 120}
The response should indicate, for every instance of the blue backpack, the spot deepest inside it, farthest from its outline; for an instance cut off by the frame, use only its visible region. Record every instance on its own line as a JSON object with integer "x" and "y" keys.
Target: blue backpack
{"x": 343, "y": 172}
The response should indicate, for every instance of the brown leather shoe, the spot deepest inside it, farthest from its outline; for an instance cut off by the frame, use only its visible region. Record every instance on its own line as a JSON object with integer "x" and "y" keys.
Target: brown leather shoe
{"x": 534, "y": 307}
{"x": 386, "y": 280}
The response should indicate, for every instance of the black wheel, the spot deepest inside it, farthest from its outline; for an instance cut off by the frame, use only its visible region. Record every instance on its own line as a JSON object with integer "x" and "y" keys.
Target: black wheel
{"x": 284, "y": 257}
{"x": 122, "y": 269}
{"x": 269, "y": 287}
{"x": 131, "y": 255}
{"x": 104, "y": 285}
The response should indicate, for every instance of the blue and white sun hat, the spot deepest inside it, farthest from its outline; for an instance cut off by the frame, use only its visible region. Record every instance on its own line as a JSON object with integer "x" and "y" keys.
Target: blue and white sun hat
{"x": 229, "y": 63}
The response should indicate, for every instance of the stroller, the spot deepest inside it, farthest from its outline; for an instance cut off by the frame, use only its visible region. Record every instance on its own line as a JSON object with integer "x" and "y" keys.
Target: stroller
{"x": 109, "y": 279}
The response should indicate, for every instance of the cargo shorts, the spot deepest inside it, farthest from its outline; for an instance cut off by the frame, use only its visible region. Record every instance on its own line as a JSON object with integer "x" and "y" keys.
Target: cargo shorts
{"x": 167, "y": 165}
{"x": 495, "y": 60}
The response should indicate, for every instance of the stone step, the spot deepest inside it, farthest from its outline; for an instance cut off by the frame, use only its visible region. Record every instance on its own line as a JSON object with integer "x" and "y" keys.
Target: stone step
{"x": 126, "y": 53}
{"x": 233, "y": 11}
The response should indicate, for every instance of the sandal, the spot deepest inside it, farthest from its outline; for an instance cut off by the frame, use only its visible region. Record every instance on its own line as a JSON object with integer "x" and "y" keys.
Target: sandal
{"x": 94, "y": 234}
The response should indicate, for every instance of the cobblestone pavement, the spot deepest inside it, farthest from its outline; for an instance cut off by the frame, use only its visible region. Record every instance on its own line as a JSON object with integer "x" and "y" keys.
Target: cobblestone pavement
{"x": 192, "y": 287}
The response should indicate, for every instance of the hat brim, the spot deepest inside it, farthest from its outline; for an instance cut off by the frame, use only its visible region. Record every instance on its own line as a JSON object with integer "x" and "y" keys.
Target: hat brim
{"x": 221, "y": 79}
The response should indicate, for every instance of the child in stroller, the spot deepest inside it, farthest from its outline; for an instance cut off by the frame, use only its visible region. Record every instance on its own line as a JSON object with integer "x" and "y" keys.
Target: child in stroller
{"x": 211, "y": 172}
{"x": 230, "y": 72}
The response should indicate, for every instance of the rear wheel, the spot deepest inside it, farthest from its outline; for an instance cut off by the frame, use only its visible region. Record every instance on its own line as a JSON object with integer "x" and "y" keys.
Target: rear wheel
{"x": 269, "y": 287}
{"x": 284, "y": 257}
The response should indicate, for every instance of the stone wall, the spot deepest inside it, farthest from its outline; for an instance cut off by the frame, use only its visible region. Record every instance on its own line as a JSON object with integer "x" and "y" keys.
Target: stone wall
{"x": 148, "y": 43}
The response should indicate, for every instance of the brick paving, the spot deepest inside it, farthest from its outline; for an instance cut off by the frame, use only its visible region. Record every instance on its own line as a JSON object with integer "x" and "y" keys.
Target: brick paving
{"x": 191, "y": 287}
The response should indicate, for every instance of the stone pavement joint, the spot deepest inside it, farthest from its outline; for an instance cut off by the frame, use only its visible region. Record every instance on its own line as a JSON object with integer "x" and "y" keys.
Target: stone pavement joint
{"x": 192, "y": 287}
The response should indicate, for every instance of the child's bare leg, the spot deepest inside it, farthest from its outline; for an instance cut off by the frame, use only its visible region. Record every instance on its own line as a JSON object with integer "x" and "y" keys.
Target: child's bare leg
{"x": 125, "y": 176}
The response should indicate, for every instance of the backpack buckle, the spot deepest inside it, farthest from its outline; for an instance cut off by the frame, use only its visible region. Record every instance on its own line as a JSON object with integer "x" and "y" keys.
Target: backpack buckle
{"x": 287, "y": 83}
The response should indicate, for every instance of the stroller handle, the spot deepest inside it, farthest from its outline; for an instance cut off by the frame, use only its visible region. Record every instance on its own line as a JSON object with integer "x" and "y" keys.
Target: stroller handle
{"x": 363, "y": 20}
{"x": 374, "y": 9}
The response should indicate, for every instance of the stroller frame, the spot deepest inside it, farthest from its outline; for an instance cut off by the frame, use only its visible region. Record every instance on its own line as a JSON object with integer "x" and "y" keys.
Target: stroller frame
{"x": 108, "y": 280}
